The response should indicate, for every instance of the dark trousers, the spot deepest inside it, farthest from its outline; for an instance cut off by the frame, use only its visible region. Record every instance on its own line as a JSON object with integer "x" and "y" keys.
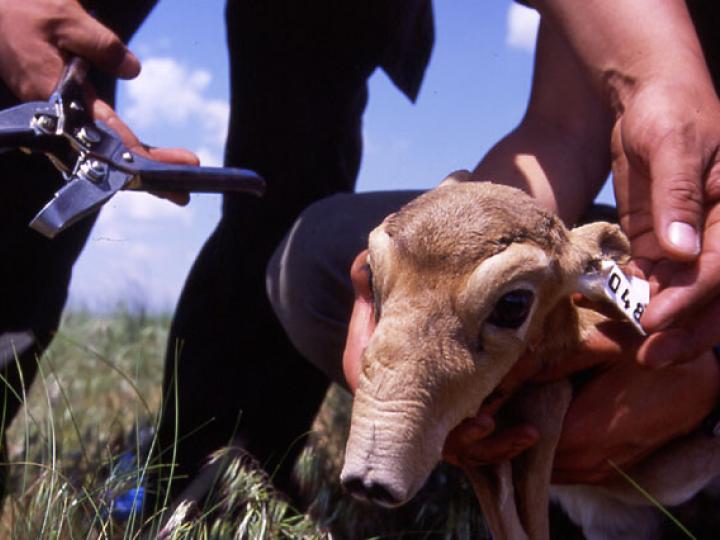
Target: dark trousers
{"x": 299, "y": 91}
{"x": 34, "y": 271}
{"x": 298, "y": 75}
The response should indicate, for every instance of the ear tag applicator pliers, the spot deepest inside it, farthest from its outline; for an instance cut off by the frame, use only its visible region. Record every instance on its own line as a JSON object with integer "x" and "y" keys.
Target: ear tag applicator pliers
{"x": 94, "y": 161}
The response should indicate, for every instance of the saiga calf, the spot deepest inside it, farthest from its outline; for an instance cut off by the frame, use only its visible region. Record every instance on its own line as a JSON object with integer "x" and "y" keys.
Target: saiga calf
{"x": 466, "y": 278}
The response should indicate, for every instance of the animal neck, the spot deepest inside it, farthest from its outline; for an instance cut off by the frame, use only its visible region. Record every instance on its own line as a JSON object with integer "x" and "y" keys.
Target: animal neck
{"x": 563, "y": 330}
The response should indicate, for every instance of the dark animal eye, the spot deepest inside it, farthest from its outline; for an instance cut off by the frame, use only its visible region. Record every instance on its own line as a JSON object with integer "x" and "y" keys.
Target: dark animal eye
{"x": 512, "y": 309}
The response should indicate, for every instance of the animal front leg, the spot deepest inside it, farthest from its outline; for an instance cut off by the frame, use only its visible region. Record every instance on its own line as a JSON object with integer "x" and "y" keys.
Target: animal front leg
{"x": 514, "y": 494}
{"x": 493, "y": 486}
{"x": 544, "y": 407}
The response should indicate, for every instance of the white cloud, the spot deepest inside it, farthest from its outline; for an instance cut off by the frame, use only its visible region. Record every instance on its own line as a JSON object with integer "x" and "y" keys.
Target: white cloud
{"x": 170, "y": 93}
{"x": 146, "y": 207}
{"x": 209, "y": 157}
{"x": 128, "y": 209}
{"x": 129, "y": 270}
{"x": 142, "y": 247}
{"x": 522, "y": 27}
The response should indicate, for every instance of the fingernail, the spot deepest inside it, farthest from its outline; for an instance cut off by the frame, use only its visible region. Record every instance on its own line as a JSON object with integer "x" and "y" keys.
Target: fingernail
{"x": 673, "y": 346}
{"x": 476, "y": 432}
{"x": 129, "y": 67}
{"x": 684, "y": 237}
{"x": 480, "y": 429}
{"x": 664, "y": 325}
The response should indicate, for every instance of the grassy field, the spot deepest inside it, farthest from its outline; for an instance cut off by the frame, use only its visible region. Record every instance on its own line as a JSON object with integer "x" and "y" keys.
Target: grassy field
{"x": 79, "y": 447}
{"x": 81, "y": 441}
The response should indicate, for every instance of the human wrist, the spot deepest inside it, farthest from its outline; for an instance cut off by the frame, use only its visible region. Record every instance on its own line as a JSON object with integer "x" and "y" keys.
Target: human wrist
{"x": 681, "y": 81}
{"x": 625, "y": 47}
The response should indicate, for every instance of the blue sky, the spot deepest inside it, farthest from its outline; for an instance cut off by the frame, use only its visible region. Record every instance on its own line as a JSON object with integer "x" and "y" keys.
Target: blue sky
{"x": 474, "y": 92}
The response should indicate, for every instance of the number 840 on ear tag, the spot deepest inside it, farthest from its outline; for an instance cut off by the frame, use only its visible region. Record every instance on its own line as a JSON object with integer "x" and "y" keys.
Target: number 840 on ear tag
{"x": 630, "y": 295}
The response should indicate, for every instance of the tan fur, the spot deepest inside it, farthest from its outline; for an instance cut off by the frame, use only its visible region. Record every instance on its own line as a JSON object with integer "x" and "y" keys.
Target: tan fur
{"x": 440, "y": 266}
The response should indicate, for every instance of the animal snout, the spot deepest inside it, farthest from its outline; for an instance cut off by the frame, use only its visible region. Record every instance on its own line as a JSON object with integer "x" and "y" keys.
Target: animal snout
{"x": 371, "y": 490}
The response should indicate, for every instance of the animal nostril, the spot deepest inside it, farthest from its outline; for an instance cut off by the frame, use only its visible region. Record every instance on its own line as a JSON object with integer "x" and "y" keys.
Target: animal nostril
{"x": 379, "y": 494}
{"x": 355, "y": 487}
{"x": 371, "y": 491}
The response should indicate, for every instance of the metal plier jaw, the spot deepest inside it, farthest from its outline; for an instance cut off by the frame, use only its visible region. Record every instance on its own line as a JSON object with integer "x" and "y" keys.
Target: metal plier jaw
{"x": 94, "y": 161}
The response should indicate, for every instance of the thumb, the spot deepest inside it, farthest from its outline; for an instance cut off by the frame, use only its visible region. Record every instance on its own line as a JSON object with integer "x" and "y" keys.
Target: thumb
{"x": 360, "y": 277}
{"x": 677, "y": 197}
{"x": 362, "y": 321}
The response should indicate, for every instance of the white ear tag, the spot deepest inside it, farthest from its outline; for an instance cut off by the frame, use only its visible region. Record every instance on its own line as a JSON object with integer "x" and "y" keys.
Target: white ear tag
{"x": 630, "y": 295}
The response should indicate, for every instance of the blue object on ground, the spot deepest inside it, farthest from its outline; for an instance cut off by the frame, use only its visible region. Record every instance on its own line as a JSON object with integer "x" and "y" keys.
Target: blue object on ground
{"x": 128, "y": 503}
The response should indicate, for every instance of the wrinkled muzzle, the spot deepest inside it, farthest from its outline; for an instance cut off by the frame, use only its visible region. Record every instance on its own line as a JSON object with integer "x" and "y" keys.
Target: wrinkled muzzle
{"x": 392, "y": 448}
{"x": 401, "y": 416}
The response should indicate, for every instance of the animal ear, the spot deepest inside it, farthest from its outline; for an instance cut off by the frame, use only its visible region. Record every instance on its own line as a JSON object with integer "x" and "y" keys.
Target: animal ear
{"x": 456, "y": 177}
{"x": 600, "y": 241}
{"x": 592, "y": 244}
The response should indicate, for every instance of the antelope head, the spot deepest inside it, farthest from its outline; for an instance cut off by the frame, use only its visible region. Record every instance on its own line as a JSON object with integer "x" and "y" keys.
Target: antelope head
{"x": 465, "y": 278}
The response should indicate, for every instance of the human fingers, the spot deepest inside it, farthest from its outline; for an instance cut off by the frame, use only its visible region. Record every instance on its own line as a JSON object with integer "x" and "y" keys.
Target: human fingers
{"x": 466, "y": 434}
{"x": 30, "y": 64}
{"x": 625, "y": 412}
{"x": 607, "y": 343}
{"x": 676, "y": 172}
{"x": 685, "y": 289}
{"x": 78, "y": 32}
{"x": 682, "y": 343}
{"x": 504, "y": 445}
{"x": 362, "y": 319}
{"x": 105, "y": 113}
{"x": 361, "y": 277}
{"x": 632, "y": 189}
{"x": 180, "y": 156}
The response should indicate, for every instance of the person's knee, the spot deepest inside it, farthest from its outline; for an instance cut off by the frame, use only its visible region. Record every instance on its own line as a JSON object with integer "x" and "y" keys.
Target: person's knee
{"x": 308, "y": 280}
{"x": 299, "y": 261}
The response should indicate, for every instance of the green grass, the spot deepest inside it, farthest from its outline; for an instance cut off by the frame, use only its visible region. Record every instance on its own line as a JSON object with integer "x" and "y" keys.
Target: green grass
{"x": 96, "y": 396}
{"x": 97, "y": 388}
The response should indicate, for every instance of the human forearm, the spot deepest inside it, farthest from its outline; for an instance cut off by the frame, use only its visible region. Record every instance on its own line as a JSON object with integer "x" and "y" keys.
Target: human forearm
{"x": 559, "y": 153}
{"x": 551, "y": 170}
{"x": 644, "y": 58}
{"x": 627, "y": 46}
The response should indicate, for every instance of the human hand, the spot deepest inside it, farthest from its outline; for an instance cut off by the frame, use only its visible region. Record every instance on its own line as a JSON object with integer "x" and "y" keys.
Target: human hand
{"x": 36, "y": 39}
{"x": 667, "y": 185}
{"x": 620, "y": 415}
{"x": 103, "y": 112}
{"x": 625, "y": 412}
{"x": 476, "y": 441}
{"x": 362, "y": 320}
{"x": 37, "y": 36}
